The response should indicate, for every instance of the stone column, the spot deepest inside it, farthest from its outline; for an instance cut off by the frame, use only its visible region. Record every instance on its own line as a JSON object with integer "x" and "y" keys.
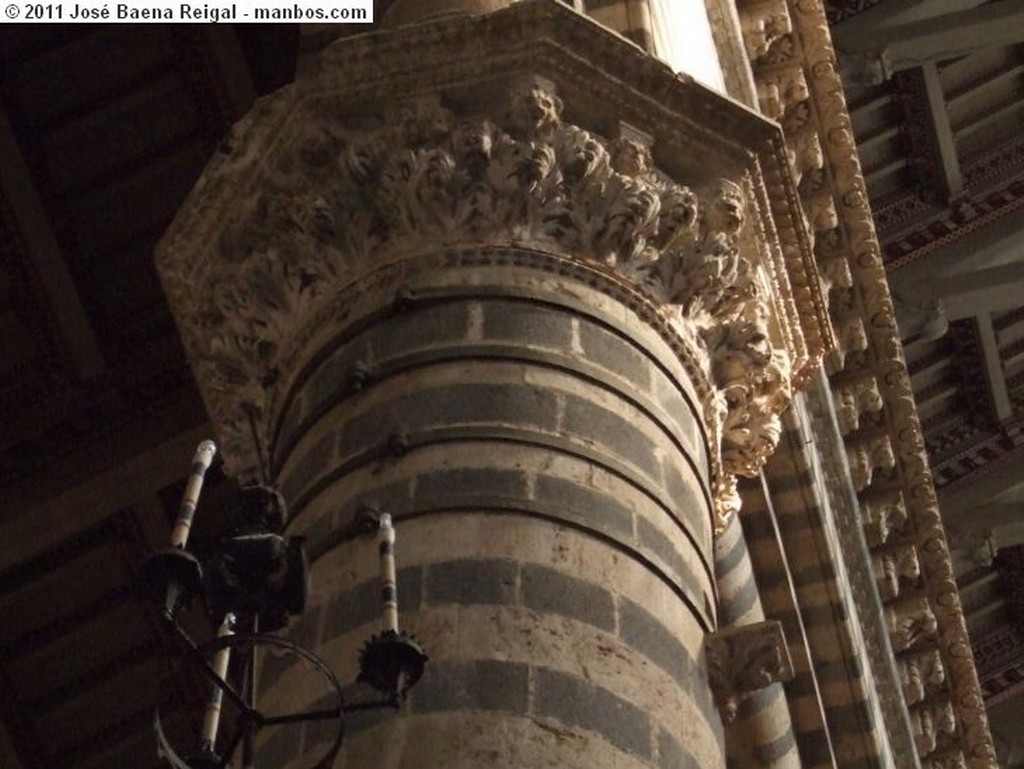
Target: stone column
{"x": 518, "y": 285}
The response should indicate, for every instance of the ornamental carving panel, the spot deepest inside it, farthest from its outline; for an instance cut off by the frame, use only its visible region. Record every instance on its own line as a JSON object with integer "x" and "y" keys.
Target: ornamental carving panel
{"x": 798, "y": 84}
{"x": 313, "y": 193}
{"x": 745, "y": 658}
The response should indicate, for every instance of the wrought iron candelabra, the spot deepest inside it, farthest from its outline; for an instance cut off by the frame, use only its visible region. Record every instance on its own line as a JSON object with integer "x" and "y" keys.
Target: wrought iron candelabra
{"x": 251, "y": 582}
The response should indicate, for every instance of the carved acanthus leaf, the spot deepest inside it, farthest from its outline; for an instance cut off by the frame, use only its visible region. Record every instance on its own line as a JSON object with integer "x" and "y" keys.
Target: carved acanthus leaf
{"x": 353, "y": 193}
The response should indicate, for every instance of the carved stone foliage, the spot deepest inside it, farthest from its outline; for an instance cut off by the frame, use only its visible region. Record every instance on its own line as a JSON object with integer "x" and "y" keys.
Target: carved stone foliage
{"x": 744, "y": 658}
{"x": 353, "y": 193}
{"x": 799, "y": 85}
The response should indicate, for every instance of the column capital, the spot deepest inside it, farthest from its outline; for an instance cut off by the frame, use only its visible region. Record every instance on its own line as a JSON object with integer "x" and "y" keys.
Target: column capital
{"x": 532, "y": 128}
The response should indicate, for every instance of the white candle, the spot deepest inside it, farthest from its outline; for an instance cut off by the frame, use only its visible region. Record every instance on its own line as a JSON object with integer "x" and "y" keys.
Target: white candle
{"x": 200, "y": 464}
{"x": 211, "y": 719}
{"x": 388, "y": 585}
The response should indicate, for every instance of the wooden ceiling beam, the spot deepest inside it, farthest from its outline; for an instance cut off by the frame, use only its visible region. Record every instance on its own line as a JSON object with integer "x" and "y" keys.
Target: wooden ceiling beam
{"x": 876, "y": 48}
{"x": 36, "y": 530}
{"x": 44, "y": 254}
{"x": 995, "y": 376}
{"x": 964, "y": 498}
{"x": 892, "y": 13}
{"x": 978, "y": 292}
{"x": 999, "y": 242}
{"x": 949, "y": 176}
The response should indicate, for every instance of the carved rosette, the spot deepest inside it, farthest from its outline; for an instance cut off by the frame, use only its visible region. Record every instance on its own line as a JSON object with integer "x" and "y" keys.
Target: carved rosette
{"x": 339, "y": 193}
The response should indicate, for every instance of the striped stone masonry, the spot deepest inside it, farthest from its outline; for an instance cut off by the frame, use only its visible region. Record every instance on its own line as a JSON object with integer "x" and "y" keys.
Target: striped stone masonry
{"x": 540, "y": 451}
{"x": 797, "y": 80}
{"x": 513, "y": 282}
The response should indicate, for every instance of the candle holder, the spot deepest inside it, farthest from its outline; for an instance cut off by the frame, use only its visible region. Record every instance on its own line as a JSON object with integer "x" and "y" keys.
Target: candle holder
{"x": 251, "y": 582}
{"x": 391, "y": 662}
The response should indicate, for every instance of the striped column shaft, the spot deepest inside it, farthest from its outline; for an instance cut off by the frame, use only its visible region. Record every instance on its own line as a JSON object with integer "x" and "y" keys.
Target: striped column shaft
{"x": 388, "y": 579}
{"x": 538, "y": 445}
{"x": 816, "y": 564}
{"x": 779, "y": 601}
{"x": 762, "y": 733}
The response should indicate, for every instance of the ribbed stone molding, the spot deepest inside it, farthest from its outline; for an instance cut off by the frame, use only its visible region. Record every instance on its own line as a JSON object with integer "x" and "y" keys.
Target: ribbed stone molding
{"x": 531, "y": 126}
{"x": 794, "y": 66}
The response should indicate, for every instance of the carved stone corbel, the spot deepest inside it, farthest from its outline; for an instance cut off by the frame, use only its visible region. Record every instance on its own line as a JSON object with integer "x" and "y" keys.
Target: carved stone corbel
{"x": 762, "y": 23}
{"x": 911, "y": 623}
{"x": 866, "y": 455}
{"x": 932, "y": 721}
{"x": 743, "y": 659}
{"x": 894, "y": 568}
{"x": 853, "y": 397}
{"x": 921, "y": 674}
{"x": 885, "y": 515}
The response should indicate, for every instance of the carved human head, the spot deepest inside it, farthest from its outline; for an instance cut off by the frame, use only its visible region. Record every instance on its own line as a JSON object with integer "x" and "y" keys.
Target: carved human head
{"x": 678, "y": 216}
{"x": 725, "y": 213}
{"x": 631, "y": 157}
{"x": 534, "y": 109}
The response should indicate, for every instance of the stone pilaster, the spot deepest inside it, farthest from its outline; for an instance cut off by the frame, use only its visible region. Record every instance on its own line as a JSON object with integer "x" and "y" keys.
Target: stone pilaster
{"x": 541, "y": 299}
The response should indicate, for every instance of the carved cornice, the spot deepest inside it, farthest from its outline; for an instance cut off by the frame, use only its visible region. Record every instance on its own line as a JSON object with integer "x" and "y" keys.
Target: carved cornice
{"x": 472, "y": 145}
{"x": 798, "y": 81}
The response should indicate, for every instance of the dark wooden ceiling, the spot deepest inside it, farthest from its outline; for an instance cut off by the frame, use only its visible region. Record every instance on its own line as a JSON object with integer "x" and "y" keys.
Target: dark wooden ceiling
{"x": 103, "y": 130}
